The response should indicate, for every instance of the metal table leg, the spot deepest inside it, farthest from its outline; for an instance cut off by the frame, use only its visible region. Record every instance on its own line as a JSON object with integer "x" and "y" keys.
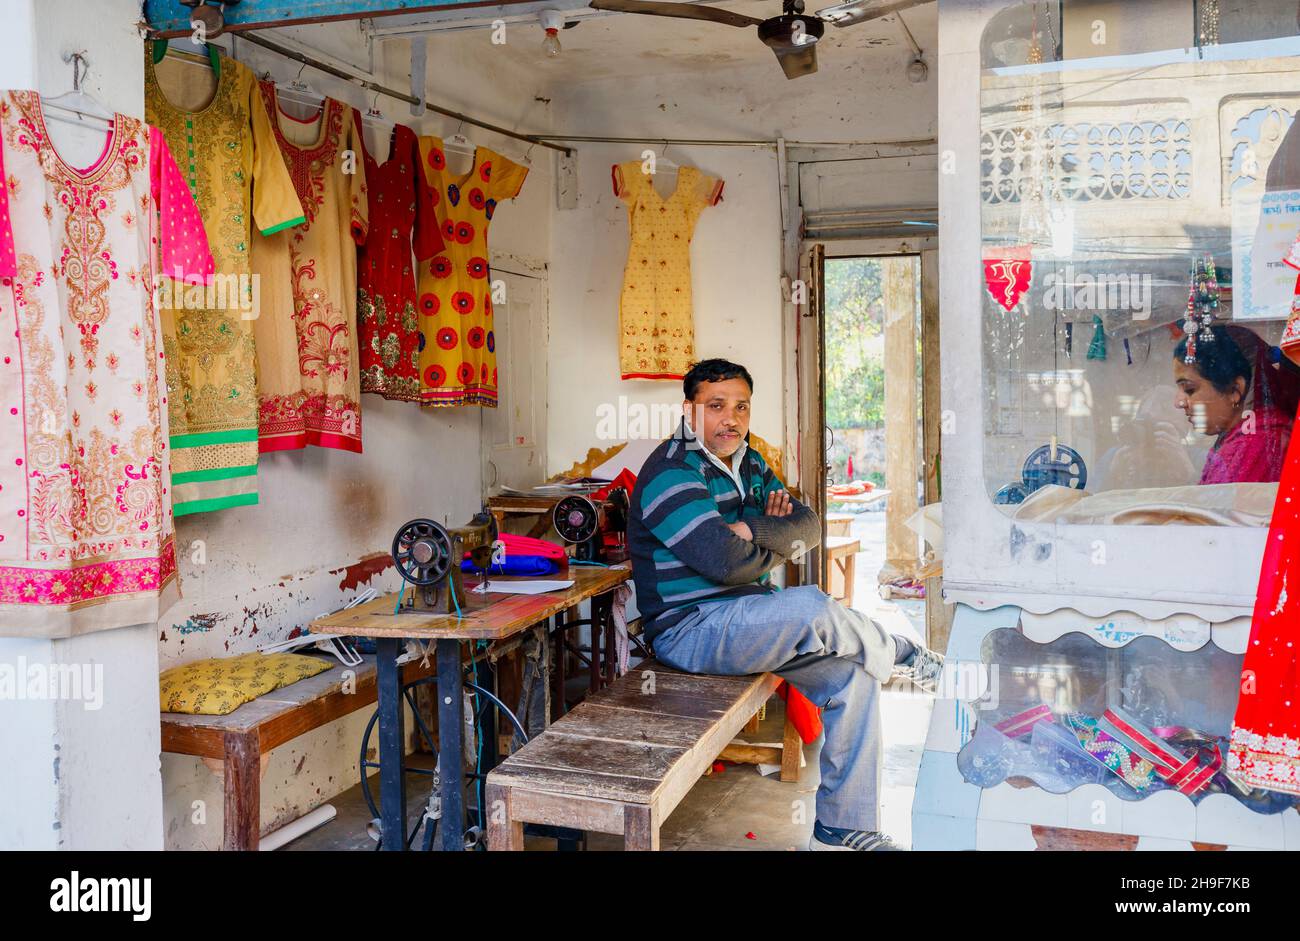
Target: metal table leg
{"x": 611, "y": 648}
{"x": 596, "y": 629}
{"x": 392, "y": 781}
{"x": 451, "y": 835}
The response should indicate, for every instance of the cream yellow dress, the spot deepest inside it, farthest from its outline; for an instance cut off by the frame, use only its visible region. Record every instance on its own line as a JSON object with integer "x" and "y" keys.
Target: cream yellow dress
{"x": 656, "y": 318}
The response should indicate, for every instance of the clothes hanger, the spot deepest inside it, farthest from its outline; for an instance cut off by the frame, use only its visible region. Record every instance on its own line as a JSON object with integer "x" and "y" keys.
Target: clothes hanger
{"x": 300, "y": 93}
{"x": 77, "y": 107}
{"x": 664, "y": 161}
{"x": 373, "y": 115}
{"x": 207, "y": 50}
{"x": 458, "y": 143}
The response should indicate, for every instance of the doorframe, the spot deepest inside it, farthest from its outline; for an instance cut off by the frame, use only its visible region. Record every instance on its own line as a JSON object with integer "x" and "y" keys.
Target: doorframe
{"x": 811, "y": 409}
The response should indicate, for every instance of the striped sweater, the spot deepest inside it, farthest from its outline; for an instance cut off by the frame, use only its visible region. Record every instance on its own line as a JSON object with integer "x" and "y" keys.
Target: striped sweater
{"x": 683, "y": 554}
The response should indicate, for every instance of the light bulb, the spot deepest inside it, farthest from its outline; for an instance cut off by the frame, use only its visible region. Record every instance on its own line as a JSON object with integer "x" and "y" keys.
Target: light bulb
{"x": 551, "y": 44}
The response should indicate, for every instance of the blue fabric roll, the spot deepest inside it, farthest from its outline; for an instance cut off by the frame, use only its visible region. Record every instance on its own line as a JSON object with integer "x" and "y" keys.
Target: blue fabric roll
{"x": 516, "y": 565}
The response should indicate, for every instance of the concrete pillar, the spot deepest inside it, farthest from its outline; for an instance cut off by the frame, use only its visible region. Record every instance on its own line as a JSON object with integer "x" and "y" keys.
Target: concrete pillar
{"x": 79, "y": 715}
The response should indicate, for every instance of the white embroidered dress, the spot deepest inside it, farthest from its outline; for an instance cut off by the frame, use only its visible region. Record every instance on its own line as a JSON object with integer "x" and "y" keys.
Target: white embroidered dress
{"x": 86, "y": 531}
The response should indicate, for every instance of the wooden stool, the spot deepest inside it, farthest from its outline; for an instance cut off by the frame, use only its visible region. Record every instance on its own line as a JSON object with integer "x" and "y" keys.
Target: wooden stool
{"x": 841, "y": 553}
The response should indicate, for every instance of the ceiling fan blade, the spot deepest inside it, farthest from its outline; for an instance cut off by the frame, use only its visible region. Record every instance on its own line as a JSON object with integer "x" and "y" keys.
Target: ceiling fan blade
{"x": 796, "y": 62}
{"x": 686, "y": 11}
{"x": 859, "y": 11}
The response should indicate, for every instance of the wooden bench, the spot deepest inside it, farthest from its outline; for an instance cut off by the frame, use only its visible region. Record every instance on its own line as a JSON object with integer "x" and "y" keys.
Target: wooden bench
{"x": 237, "y": 745}
{"x": 623, "y": 759}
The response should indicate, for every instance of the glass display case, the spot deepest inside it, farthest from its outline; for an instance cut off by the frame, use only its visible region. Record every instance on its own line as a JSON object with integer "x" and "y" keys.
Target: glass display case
{"x": 1117, "y": 276}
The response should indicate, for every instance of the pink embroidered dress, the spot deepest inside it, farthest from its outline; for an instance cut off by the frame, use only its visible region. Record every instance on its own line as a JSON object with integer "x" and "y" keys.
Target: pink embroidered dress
{"x": 86, "y": 530}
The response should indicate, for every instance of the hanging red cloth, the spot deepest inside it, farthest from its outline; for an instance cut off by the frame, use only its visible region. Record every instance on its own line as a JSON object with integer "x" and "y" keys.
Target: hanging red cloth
{"x": 806, "y": 718}
{"x": 1265, "y": 745}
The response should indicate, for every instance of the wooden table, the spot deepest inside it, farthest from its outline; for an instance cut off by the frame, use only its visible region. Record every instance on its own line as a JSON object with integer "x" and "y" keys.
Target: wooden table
{"x": 860, "y": 499}
{"x": 504, "y": 617}
{"x": 539, "y": 506}
{"x": 242, "y": 740}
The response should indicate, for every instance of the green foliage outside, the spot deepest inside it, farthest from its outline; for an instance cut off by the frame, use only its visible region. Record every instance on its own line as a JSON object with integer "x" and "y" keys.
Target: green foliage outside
{"x": 855, "y": 364}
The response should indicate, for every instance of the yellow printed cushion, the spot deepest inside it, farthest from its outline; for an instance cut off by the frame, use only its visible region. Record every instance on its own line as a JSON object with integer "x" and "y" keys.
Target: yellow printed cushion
{"x": 219, "y": 687}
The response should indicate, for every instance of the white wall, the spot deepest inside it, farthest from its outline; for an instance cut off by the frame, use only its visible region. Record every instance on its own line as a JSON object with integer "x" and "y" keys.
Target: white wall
{"x": 736, "y": 256}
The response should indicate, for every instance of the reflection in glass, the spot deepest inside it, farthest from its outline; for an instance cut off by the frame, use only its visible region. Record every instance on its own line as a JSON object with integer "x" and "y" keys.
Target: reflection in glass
{"x": 1114, "y": 166}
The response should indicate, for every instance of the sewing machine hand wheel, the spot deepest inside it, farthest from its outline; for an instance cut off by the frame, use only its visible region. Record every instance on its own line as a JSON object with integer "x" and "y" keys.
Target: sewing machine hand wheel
{"x": 576, "y": 519}
{"x": 1065, "y": 469}
{"x": 422, "y": 552}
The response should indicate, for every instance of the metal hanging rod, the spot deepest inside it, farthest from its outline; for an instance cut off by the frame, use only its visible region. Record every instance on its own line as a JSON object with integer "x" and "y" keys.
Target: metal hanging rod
{"x": 394, "y": 93}
{"x": 662, "y": 141}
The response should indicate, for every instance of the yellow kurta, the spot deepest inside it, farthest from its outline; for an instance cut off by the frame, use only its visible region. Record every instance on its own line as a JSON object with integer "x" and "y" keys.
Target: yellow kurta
{"x": 217, "y": 129}
{"x": 458, "y": 362}
{"x": 655, "y": 313}
{"x": 309, "y": 374}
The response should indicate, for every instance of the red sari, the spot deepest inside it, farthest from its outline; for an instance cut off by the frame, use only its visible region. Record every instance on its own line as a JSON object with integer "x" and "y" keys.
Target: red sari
{"x": 1265, "y": 747}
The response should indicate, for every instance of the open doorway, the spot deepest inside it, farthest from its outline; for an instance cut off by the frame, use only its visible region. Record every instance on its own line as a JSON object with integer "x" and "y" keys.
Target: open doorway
{"x": 874, "y": 455}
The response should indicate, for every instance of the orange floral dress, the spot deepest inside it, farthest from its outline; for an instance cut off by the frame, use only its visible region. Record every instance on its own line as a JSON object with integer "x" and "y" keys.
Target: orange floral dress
{"x": 458, "y": 361}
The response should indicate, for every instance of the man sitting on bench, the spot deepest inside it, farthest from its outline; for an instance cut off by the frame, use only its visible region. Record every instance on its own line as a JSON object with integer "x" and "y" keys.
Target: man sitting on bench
{"x": 709, "y": 520}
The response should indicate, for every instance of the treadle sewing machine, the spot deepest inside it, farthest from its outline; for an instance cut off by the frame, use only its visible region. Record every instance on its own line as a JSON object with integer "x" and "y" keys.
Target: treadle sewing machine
{"x": 428, "y": 555}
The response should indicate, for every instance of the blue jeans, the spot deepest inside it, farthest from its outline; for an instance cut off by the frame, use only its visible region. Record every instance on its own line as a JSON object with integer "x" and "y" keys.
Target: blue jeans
{"x": 835, "y": 656}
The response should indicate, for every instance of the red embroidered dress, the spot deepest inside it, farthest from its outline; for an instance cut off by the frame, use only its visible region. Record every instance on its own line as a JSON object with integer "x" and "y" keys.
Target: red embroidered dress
{"x": 387, "y": 323}
{"x": 1265, "y": 746}
{"x": 308, "y": 372}
{"x": 86, "y": 528}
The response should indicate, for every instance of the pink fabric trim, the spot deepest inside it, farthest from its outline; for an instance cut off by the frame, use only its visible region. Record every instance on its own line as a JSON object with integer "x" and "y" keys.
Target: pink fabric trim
{"x": 8, "y": 260}
{"x": 96, "y": 581}
{"x": 183, "y": 240}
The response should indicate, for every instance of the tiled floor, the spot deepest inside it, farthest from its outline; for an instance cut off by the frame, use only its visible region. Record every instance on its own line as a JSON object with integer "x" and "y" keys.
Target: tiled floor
{"x": 739, "y": 809}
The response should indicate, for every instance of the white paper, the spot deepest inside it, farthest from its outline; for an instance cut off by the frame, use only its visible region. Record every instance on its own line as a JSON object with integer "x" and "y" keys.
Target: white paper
{"x": 1263, "y": 229}
{"x": 538, "y": 586}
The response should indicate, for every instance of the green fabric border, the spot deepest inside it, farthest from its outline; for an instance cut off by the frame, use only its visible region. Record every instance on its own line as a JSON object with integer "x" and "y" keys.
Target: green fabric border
{"x": 214, "y": 437}
{"x": 214, "y": 473}
{"x": 284, "y": 225}
{"x": 216, "y": 503}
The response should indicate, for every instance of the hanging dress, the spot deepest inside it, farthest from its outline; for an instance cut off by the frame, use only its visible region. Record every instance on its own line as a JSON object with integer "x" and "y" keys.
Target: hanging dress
{"x": 233, "y": 167}
{"x": 458, "y": 365}
{"x": 86, "y": 527}
{"x": 1265, "y": 743}
{"x": 388, "y": 326}
{"x": 655, "y": 314}
{"x": 309, "y": 376}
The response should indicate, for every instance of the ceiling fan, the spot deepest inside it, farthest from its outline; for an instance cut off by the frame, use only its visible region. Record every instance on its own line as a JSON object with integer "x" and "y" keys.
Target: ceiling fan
{"x": 792, "y": 36}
